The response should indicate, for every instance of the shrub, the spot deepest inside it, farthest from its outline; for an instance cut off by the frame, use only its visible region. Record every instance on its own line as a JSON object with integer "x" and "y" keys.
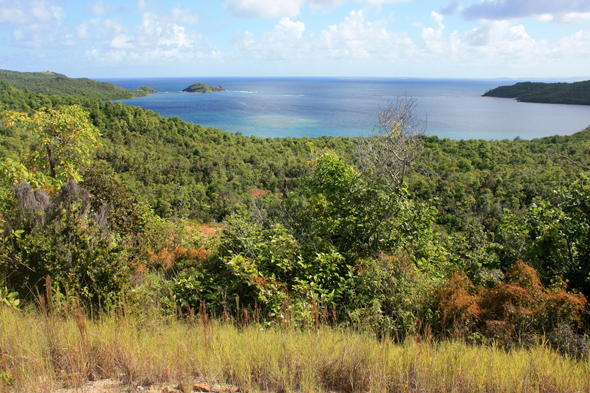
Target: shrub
{"x": 507, "y": 312}
{"x": 389, "y": 295}
{"x": 64, "y": 240}
{"x": 457, "y": 302}
{"x": 565, "y": 340}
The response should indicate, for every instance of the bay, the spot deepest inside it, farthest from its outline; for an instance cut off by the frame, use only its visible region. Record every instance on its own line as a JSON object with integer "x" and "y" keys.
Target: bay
{"x": 315, "y": 107}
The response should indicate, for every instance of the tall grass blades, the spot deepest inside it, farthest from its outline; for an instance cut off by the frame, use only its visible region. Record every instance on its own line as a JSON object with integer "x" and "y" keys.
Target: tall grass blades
{"x": 42, "y": 352}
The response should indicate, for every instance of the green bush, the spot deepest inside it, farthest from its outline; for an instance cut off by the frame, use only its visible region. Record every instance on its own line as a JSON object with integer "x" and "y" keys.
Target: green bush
{"x": 390, "y": 296}
{"x": 62, "y": 239}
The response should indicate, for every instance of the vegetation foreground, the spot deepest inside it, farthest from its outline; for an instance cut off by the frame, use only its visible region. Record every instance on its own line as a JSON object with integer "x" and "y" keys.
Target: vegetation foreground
{"x": 51, "y": 350}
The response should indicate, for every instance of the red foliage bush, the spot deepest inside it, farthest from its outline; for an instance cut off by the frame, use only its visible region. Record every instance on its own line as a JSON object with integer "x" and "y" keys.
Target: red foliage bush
{"x": 520, "y": 305}
{"x": 167, "y": 259}
{"x": 458, "y": 302}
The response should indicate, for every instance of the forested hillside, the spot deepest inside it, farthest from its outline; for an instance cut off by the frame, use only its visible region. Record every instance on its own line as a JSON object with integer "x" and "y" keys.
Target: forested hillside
{"x": 550, "y": 93}
{"x": 490, "y": 238}
{"x": 52, "y": 83}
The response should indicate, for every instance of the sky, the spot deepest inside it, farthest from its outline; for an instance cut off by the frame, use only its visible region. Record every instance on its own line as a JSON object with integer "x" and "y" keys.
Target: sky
{"x": 356, "y": 38}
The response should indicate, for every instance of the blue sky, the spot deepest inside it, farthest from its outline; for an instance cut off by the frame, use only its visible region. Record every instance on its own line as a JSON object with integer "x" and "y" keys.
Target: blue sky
{"x": 385, "y": 38}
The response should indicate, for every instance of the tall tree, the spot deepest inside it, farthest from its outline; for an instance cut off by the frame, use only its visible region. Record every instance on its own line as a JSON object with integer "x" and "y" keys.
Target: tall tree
{"x": 65, "y": 141}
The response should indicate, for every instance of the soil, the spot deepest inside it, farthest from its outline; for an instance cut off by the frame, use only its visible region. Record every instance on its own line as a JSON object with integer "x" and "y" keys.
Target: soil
{"x": 112, "y": 386}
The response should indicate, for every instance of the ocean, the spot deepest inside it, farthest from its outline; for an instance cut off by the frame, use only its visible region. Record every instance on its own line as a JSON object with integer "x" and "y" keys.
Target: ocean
{"x": 314, "y": 107}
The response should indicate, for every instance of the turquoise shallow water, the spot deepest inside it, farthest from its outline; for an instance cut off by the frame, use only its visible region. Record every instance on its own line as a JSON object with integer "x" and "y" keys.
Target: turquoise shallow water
{"x": 313, "y": 107}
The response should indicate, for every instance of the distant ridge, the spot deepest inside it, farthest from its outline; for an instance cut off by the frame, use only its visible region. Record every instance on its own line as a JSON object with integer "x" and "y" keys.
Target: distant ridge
{"x": 551, "y": 93}
{"x": 48, "y": 82}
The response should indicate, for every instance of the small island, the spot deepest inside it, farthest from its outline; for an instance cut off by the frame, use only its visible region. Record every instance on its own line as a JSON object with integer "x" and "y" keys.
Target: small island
{"x": 550, "y": 93}
{"x": 203, "y": 88}
{"x": 145, "y": 90}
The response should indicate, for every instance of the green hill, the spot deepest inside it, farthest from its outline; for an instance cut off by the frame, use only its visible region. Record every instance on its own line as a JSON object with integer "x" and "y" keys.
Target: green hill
{"x": 48, "y": 82}
{"x": 549, "y": 93}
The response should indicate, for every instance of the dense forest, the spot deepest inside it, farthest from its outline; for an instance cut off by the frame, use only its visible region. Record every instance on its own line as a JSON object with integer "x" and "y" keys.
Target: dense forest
{"x": 400, "y": 232}
{"x": 53, "y": 83}
{"x": 549, "y": 93}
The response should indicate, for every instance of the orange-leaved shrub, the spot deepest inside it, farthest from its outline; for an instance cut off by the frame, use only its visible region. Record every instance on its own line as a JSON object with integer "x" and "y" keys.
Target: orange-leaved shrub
{"x": 519, "y": 306}
{"x": 176, "y": 258}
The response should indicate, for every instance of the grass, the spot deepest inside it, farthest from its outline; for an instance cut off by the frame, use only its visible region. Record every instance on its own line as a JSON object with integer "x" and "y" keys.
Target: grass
{"x": 44, "y": 352}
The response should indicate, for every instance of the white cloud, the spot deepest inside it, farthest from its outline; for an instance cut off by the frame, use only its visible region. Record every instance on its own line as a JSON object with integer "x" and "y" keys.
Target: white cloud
{"x": 156, "y": 40}
{"x": 32, "y": 35}
{"x": 497, "y": 45}
{"x": 502, "y": 36}
{"x": 512, "y": 9}
{"x": 13, "y": 15}
{"x": 33, "y": 22}
{"x": 374, "y": 45}
{"x": 43, "y": 12}
{"x": 288, "y": 8}
{"x": 121, "y": 41}
{"x": 152, "y": 35}
{"x": 264, "y": 8}
{"x": 357, "y": 37}
{"x": 353, "y": 38}
{"x": 433, "y": 40}
{"x": 286, "y": 41}
{"x": 574, "y": 17}
{"x": 110, "y": 26}
{"x": 576, "y": 45}
{"x": 69, "y": 40}
{"x": 82, "y": 30}
{"x": 488, "y": 33}
{"x": 438, "y": 18}
{"x": 545, "y": 17}
{"x": 505, "y": 46}
{"x": 29, "y": 11}
{"x": 452, "y": 9}
{"x": 97, "y": 8}
{"x": 325, "y": 3}
{"x": 379, "y": 2}
{"x": 289, "y": 28}
{"x": 185, "y": 16}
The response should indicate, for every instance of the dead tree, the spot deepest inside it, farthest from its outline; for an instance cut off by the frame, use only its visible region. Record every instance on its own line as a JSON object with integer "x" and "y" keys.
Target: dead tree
{"x": 395, "y": 142}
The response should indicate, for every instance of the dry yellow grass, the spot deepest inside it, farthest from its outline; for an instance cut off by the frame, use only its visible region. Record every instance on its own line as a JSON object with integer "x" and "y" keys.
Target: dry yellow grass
{"x": 40, "y": 353}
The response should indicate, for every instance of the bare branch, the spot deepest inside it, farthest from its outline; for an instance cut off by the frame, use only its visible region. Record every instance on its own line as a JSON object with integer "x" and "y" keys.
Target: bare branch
{"x": 584, "y": 167}
{"x": 394, "y": 143}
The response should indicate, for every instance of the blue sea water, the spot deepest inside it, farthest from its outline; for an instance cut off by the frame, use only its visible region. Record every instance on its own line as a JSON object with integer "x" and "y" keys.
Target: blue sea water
{"x": 313, "y": 107}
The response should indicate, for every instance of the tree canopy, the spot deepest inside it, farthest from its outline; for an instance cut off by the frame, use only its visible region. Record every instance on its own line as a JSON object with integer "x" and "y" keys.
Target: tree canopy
{"x": 64, "y": 144}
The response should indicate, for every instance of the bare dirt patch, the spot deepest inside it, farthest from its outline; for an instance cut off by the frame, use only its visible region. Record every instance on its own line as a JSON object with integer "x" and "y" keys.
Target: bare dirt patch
{"x": 112, "y": 386}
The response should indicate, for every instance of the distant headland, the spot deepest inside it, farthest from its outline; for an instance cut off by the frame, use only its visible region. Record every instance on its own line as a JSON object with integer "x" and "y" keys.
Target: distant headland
{"x": 203, "y": 88}
{"x": 577, "y": 93}
{"x": 52, "y": 83}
